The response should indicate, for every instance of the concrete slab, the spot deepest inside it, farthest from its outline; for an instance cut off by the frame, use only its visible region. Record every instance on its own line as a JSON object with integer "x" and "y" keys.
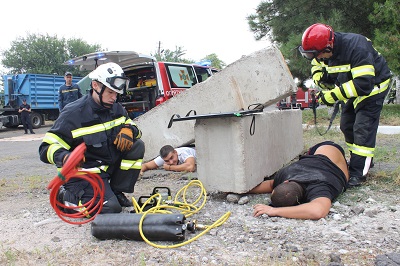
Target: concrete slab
{"x": 230, "y": 159}
{"x": 262, "y": 77}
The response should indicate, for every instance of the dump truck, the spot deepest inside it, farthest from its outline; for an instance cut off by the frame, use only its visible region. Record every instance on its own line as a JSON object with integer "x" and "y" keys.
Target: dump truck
{"x": 151, "y": 82}
{"x": 40, "y": 92}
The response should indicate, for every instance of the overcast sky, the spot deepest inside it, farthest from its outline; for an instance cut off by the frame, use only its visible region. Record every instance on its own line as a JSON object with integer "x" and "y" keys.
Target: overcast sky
{"x": 200, "y": 27}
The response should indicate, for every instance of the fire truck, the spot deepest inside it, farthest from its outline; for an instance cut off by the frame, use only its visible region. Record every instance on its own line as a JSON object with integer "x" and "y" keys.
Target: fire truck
{"x": 151, "y": 82}
{"x": 301, "y": 99}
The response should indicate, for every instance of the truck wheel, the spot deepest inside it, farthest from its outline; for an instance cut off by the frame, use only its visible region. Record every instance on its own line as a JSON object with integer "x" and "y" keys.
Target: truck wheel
{"x": 36, "y": 120}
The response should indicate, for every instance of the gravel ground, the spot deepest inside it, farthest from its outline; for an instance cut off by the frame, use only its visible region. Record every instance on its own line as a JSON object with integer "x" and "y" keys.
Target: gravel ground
{"x": 363, "y": 227}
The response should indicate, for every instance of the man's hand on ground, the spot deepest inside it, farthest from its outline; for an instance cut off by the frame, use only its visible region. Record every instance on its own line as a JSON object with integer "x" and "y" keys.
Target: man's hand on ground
{"x": 167, "y": 167}
{"x": 260, "y": 209}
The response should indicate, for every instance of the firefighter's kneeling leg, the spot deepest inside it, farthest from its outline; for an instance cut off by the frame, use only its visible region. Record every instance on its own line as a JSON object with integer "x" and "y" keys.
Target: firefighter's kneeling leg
{"x": 124, "y": 177}
{"x": 111, "y": 204}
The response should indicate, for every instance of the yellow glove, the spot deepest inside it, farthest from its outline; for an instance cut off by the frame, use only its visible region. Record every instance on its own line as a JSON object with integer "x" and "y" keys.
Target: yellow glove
{"x": 124, "y": 139}
{"x": 330, "y": 97}
{"x": 320, "y": 75}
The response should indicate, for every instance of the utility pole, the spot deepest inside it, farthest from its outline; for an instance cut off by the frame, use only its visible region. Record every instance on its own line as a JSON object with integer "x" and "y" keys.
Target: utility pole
{"x": 159, "y": 49}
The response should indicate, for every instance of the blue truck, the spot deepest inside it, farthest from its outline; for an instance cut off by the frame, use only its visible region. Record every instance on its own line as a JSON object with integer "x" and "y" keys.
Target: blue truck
{"x": 40, "y": 92}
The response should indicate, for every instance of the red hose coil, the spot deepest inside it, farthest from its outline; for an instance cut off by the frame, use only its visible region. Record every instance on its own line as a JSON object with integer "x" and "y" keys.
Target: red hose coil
{"x": 85, "y": 212}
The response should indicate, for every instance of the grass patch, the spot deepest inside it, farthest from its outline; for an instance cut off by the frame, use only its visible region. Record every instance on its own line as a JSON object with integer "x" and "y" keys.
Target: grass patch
{"x": 10, "y": 257}
{"x": 35, "y": 182}
{"x": 311, "y": 137}
{"x": 390, "y": 116}
{"x": 385, "y": 154}
{"x": 28, "y": 185}
{"x": 323, "y": 116}
{"x": 9, "y": 158}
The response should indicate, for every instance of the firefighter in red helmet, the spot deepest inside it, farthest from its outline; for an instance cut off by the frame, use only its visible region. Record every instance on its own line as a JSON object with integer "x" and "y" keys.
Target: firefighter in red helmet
{"x": 348, "y": 68}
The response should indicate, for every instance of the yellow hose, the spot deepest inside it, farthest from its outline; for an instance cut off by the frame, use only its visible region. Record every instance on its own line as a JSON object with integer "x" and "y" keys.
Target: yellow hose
{"x": 180, "y": 204}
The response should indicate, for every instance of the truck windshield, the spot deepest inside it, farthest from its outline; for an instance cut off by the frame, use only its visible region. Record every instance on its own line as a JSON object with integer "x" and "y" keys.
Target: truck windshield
{"x": 181, "y": 76}
{"x": 202, "y": 73}
{"x": 84, "y": 84}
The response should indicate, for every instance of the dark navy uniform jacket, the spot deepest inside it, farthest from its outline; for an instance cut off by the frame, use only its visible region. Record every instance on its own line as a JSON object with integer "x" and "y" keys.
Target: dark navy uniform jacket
{"x": 68, "y": 94}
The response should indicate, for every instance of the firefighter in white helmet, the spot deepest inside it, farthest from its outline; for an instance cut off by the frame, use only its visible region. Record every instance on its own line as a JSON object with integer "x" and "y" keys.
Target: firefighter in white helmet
{"x": 114, "y": 149}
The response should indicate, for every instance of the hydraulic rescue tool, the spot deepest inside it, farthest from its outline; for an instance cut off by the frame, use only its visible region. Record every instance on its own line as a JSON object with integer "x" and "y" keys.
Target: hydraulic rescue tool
{"x": 253, "y": 109}
{"x": 157, "y": 217}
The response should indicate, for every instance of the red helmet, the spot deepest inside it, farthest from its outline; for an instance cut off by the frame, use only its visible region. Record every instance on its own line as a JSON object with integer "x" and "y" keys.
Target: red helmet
{"x": 316, "y": 38}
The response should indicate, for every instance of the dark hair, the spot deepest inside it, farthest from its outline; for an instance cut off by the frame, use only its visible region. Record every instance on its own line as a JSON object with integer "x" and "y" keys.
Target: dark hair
{"x": 165, "y": 150}
{"x": 287, "y": 194}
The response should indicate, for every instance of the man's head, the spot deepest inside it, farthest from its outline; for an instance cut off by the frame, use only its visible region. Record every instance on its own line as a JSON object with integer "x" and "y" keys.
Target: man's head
{"x": 108, "y": 80}
{"x": 68, "y": 78}
{"x": 289, "y": 193}
{"x": 24, "y": 101}
{"x": 317, "y": 42}
{"x": 169, "y": 155}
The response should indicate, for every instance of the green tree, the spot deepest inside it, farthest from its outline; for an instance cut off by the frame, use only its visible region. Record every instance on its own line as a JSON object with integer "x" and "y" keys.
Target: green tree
{"x": 215, "y": 61}
{"x": 284, "y": 21}
{"x": 44, "y": 54}
{"x": 168, "y": 55}
{"x": 386, "y": 19}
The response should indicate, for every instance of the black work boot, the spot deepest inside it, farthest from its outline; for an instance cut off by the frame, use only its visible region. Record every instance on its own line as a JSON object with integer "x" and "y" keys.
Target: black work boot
{"x": 60, "y": 196}
{"x": 356, "y": 181}
{"x": 123, "y": 201}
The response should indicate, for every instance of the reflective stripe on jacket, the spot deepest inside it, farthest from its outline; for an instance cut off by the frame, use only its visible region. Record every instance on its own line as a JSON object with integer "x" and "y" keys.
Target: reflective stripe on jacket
{"x": 356, "y": 67}
{"x": 68, "y": 94}
{"x": 85, "y": 121}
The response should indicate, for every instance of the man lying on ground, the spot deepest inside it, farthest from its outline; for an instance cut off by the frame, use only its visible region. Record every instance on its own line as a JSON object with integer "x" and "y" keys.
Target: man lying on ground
{"x": 180, "y": 160}
{"x": 306, "y": 188}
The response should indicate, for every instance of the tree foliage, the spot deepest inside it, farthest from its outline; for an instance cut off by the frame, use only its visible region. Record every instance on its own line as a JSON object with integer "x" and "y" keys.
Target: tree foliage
{"x": 386, "y": 19}
{"x": 44, "y": 54}
{"x": 284, "y": 21}
{"x": 168, "y": 55}
{"x": 215, "y": 61}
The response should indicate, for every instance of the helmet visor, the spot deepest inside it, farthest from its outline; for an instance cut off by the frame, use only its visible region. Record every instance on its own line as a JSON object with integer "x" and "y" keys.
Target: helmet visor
{"x": 118, "y": 83}
{"x": 309, "y": 54}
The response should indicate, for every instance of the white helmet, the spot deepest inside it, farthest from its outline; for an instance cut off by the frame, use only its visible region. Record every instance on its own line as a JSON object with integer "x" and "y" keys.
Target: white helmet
{"x": 110, "y": 75}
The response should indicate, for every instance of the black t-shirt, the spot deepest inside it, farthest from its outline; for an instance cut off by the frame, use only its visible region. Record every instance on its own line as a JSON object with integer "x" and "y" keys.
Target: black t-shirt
{"x": 317, "y": 173}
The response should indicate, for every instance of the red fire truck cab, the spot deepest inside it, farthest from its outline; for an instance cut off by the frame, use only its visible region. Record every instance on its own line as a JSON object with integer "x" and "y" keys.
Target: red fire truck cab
{"x": 299, "y": 100}
{"x": 151, "y": 82}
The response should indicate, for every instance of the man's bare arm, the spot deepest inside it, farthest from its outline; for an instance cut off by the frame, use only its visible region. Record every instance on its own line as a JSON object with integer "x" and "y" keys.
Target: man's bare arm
{"x": 264, "y": 187}
{"x": 148, "y": 166}
{"x": 313, "y": 210}
{"x": 188, "y": 166}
